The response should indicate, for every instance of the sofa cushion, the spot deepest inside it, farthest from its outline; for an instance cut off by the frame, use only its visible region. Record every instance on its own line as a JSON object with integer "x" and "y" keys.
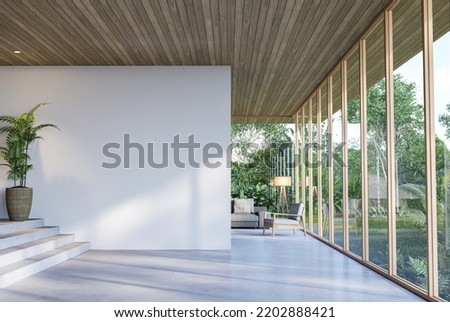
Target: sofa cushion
{"x": 244, "y": 217}
{"x": 282, "y": 221}
{"x": 244, "y": 206}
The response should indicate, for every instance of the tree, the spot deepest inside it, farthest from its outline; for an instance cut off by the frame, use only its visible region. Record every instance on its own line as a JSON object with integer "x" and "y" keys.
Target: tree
{"x": 252, "y": 148}
{"x": 444, "y": 119}
{"x": 408, "y": 129}
{"x": 409, "y": 140}
{"x": 250, "y": 137}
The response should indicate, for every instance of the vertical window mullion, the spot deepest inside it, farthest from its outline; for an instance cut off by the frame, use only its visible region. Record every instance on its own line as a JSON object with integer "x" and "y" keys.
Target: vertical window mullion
{"x": 390, "y": 133}
{"x": 345, "y": 208}
{"x": 302, "y": 148}
{"x": 429, "y": 113}
{"x": 364, "y": 160}
{"x": 297, "y": 160}
{"x": 330, "y": 162}
{"x": 319, "y": 162}
{"x": 310, "y": 170}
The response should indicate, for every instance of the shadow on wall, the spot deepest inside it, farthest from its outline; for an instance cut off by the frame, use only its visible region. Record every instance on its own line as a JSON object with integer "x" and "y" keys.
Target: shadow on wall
{"x": 167, "y": 215}
{"x": 118, "y": 214}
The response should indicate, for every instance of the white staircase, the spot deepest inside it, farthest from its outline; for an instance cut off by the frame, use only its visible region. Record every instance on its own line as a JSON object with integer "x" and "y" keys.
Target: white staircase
{"x": 29, "y": 247}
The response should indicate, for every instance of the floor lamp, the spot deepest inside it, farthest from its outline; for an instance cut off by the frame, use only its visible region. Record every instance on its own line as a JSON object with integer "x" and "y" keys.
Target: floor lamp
{"x": 282, "y": 182}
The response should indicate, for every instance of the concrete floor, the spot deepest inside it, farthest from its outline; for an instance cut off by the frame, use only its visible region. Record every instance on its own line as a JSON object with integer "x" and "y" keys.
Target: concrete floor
{"x": 259, "y": 268}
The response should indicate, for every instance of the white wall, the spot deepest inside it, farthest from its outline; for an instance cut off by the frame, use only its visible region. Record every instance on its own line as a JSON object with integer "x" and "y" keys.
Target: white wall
{"x": 171, "y": 208}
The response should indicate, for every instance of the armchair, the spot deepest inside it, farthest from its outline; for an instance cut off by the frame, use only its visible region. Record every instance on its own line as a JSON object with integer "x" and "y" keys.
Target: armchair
{"x": 293, "y": 219}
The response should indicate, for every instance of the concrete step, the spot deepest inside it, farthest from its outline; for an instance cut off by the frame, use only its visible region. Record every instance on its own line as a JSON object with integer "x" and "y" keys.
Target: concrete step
{"x": 26, "y": 236}
{"x": 17, "y": 271}
{"x": 23, "y": 251}
{"x": 8, "y": 227}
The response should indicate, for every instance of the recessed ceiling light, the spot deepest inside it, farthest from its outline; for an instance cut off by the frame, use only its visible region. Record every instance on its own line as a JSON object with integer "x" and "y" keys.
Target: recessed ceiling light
{"x": 17, "y": 52}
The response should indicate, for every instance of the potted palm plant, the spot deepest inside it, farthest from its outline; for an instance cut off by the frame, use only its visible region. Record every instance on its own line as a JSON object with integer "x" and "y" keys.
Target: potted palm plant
{"x": 20, "y": 132}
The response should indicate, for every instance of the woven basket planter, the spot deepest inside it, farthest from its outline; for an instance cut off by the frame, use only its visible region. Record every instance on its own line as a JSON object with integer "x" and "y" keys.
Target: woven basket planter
{"x": 18, "y": 203}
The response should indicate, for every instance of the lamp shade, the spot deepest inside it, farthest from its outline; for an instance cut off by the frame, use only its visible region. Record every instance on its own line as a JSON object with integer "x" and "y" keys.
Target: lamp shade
{"x": 282, "y": 181}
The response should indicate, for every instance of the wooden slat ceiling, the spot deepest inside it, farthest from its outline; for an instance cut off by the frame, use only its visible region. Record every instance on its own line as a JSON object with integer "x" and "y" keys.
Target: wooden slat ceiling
{"x": 279, "y": 50}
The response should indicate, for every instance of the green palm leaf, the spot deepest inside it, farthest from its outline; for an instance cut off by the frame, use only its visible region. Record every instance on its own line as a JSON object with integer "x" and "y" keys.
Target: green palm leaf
{"x": 7, "y": 119}
{"x": 20, "y": 131}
